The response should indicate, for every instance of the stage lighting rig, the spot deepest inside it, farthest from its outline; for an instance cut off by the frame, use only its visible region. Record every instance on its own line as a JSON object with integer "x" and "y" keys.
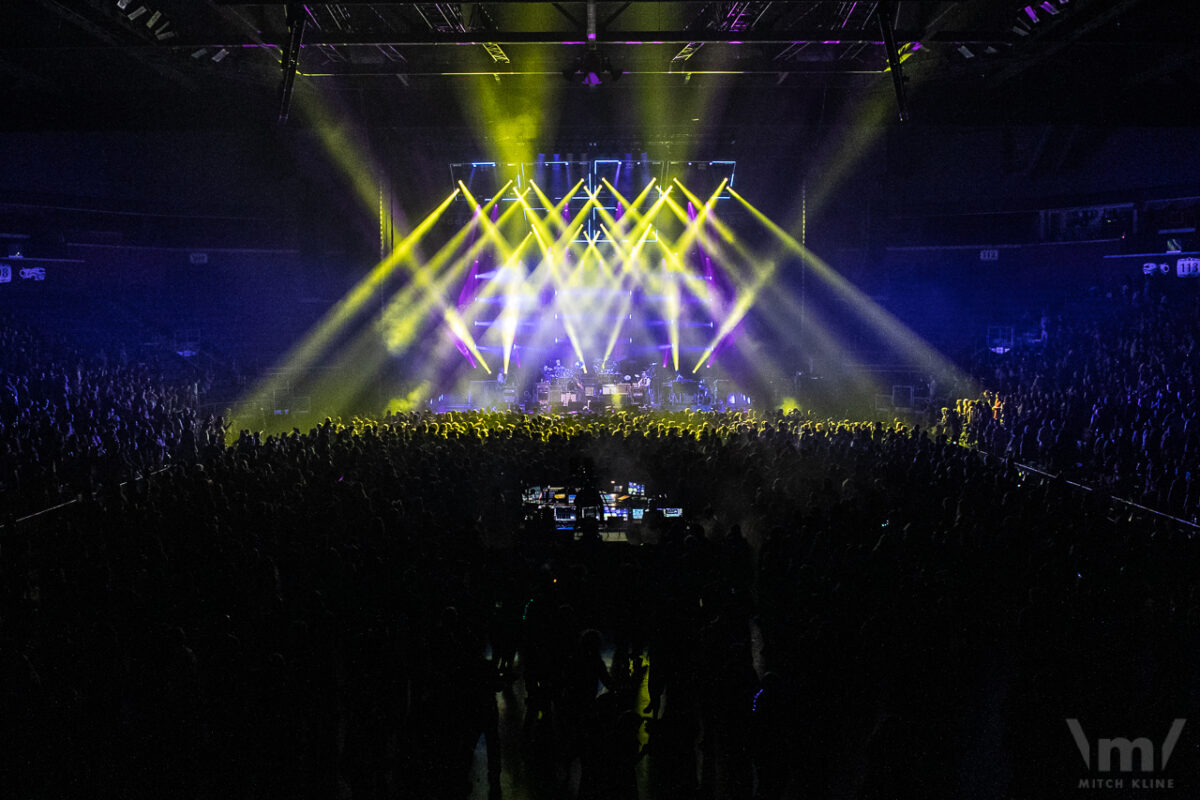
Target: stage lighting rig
{"x": 593, "y": 67}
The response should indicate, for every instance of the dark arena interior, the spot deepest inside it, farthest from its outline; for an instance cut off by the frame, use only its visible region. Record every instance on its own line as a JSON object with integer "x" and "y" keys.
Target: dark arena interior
{"x": 599, "y": 400}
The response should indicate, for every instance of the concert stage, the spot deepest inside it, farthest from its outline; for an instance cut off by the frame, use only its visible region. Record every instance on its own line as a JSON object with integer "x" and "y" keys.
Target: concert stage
{"x": 558, "y": 389}
{"x": 586, "y": 285}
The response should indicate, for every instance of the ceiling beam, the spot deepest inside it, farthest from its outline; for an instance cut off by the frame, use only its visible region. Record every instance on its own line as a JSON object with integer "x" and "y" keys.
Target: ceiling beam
{"x": 555, "y": 68}
{"x": 652, "y": 37}
{"x": 525, "y": 2}
{"x": 314, "y": 38}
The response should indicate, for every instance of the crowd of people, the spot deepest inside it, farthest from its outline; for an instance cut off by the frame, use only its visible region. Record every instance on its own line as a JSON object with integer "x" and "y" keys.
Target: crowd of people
{"x": 1108, "y": 399}
{"x": 70, "y": 419}
{"x": 360, "y": 609}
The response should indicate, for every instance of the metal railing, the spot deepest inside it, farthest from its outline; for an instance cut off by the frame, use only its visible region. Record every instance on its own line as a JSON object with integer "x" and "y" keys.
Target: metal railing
{"x": 1029, "y": 468}
{"x": 76, "y": 500}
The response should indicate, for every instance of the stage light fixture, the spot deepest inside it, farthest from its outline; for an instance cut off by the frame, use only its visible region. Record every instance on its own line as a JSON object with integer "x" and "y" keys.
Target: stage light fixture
{"x": 592, "y": 69}
{"x": 122, "y": 4}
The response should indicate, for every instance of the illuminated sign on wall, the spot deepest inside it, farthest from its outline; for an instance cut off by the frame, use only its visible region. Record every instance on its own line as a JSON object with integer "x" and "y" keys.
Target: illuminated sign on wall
{"x": 25, "y": 273}
{"x": 1184, "y": 268}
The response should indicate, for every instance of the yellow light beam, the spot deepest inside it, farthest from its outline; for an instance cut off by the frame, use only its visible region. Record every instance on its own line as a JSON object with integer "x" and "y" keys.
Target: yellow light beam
{"x": 747, "y": 287}
{"x": 362, "y": 292}
{"x": 894, "y": 330}
{"x": 402, "y": 318}
{"x": 642, "y": 227}
{"x": 632, "y": 261}
{"x": 406, "y": 310}
{"x": 555, "y": 249}
{"x": 546, "y": 271}
{"x": 566, "y": 282}
{"x": 694, "y": 283}
{"x": 702, "y": 211}
{"x": 550, "y": 244}
{"x": 673, "y": 307}
{"x": 555, "y": 209}
{"x": 741, "y": 306}
{"x": 510, "y": 313}
{"x": 455, "y": 323}
{"x": 683, "y": 243}
{"x": 696, "y": 286}
{"x": 782, "y": 310}
{"x": 631, "y": 209}
{"x": 783, "y": 318}
{"x": 674, "y": 271}
{"x": 491, "y": 229}
{"x": 615, "y": 333}
{"x": 337, "y": 137}
{"x": 301, "y": 355}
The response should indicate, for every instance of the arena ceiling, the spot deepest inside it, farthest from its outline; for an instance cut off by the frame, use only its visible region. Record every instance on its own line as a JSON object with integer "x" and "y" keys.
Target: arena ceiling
{"x": 205, "y": 63}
